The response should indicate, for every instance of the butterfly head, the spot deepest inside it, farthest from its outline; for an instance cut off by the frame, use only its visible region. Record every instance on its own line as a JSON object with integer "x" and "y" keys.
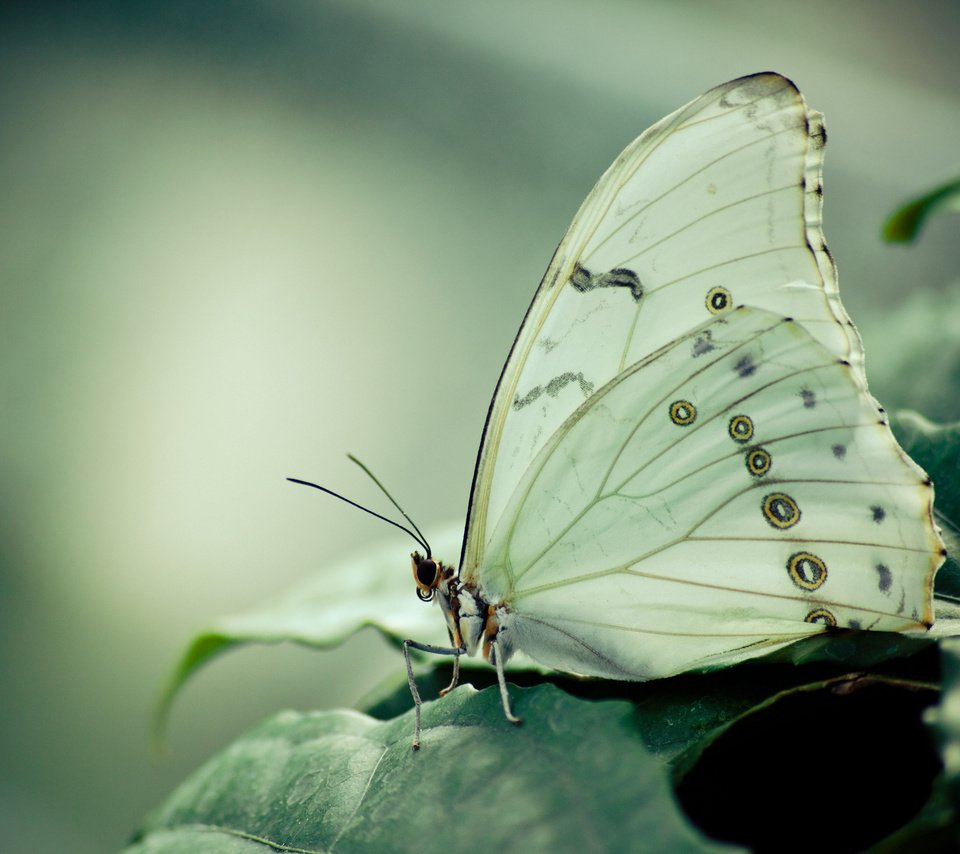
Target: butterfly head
{"x": 428, "y": 575}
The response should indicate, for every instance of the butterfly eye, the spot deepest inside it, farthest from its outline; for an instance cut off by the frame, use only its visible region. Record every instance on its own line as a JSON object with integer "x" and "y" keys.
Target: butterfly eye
{"x": 425, "y": 573}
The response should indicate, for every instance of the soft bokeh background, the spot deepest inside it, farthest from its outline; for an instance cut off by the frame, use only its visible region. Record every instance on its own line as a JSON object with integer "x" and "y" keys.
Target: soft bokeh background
{"x": 239, "y": 239}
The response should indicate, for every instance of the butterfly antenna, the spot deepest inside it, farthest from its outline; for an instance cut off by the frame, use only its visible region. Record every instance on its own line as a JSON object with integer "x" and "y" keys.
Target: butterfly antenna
{"x": 383, "y": 489}
{"x": 419, "y": 539}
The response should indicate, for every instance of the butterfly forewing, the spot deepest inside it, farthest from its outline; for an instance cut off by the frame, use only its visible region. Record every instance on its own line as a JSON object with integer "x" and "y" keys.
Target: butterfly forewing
{"x": 682, "y": 460}
{"x": 717, "y": 205}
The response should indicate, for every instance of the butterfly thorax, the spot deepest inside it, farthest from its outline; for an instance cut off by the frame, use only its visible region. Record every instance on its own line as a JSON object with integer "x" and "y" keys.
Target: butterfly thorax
{"x": 472, "y": 622}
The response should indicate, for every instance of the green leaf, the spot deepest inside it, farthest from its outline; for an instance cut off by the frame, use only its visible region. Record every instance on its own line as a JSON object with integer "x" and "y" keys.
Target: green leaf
{"x": 904, "y": 224}
{"x": 671, "y": 714}
{"x": 373, "y": 587}
{"x": 574, "y": 777}
{"x": 677, "y": 718}
{"x": 747, "y": 765}
{"x": 936, "y": 448}
{"x": 851, "y": 650}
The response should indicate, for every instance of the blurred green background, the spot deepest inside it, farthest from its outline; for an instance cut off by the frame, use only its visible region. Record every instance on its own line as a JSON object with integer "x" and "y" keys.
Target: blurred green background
{"x": 239, "y": 239}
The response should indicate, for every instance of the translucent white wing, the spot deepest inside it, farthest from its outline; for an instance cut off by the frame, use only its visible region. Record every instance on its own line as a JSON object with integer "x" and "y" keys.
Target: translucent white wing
{"x": 665, "y": 478}
{"x": 736, "y": 488}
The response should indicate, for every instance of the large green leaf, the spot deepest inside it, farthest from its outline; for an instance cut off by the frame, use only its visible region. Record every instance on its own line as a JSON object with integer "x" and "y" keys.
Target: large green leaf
{"x": 572, "y": 777}
{"x": 372, "y": 587}
{"x": 678, "y": 718}
{"x": 575, "y": 777}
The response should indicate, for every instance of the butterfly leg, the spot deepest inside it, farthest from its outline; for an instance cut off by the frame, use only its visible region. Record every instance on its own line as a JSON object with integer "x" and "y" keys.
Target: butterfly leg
{"x": 435, "y": 650}
{"x": 502, "y": 680}
{"x": 455, "y": 679}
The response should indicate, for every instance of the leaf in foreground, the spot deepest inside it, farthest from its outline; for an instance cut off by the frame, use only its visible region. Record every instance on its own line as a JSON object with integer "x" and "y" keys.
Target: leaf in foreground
{"x": 574, "y": 777}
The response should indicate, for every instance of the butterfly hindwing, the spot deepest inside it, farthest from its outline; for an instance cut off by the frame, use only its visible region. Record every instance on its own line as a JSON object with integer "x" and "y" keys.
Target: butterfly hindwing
{"x": 701, "y": 495}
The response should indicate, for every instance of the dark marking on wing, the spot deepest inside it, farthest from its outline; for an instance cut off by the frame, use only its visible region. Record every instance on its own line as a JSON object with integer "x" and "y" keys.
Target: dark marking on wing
{"x": 620, "y": 277}
{"x": 886, "y": 578}
{"x": 809, "y": 398}
{"x": 854, "y": 624}
{"x": 553, "y": 388}
{"x": 745, "y": 366}
{"x": 879, "y": 514}
{"x": 839, "y": 451}
{"x": 703, "y": 344}
{"x": 818, "y": 135}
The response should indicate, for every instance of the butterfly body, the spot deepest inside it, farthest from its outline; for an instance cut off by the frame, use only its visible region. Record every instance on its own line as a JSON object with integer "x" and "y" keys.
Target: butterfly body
{"x": 682, "y": 464}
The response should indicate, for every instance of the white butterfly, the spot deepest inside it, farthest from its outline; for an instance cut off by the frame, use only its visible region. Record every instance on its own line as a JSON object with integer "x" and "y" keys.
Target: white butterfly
{"x": 682, "y": 464}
